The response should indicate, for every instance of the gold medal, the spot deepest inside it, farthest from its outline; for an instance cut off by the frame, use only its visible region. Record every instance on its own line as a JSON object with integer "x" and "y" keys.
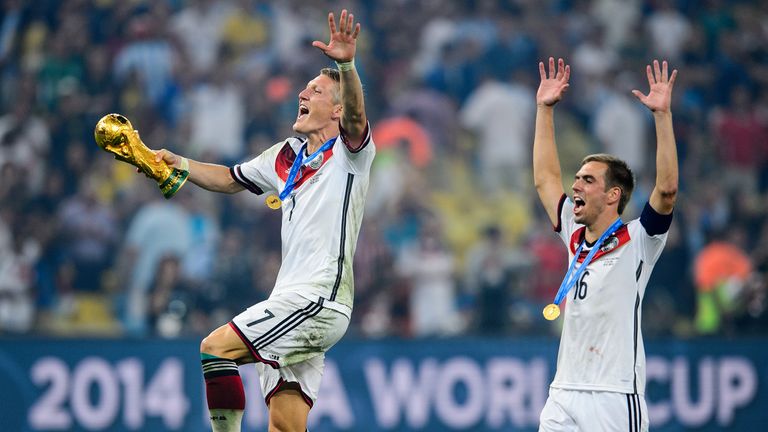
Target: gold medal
{"x": 551, "y": 312}
{"x": 273, "y": 202}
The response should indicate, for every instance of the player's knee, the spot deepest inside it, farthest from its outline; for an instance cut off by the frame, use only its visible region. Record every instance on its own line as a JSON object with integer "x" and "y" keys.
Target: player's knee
{"x": 210, "y": 345}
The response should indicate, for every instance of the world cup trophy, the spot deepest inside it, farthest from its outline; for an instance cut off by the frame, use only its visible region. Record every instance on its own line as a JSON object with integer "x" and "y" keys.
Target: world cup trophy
{"x": 115, "y": 134}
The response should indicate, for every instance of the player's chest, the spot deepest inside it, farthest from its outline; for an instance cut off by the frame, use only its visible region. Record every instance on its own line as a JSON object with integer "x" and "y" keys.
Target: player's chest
{"x": 605, "y": 278}
{"x": 319, "y": 198}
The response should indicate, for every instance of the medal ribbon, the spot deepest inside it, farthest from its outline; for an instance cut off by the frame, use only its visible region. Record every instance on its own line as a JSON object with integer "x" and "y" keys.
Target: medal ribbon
{"x": 570, "y": 277}
{"x": 290, "y": 182}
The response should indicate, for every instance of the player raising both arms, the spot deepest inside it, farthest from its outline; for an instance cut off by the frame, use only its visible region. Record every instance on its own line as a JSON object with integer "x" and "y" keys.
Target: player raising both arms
{"x": 600, "y": 380}
{"x": 320, "y": 182}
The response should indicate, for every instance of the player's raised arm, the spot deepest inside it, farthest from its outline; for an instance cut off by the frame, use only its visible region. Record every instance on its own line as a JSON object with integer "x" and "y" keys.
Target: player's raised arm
{"x": 546, "y": 164}
{"x": 341, "y": 48}
{"x": 659, "y": 101}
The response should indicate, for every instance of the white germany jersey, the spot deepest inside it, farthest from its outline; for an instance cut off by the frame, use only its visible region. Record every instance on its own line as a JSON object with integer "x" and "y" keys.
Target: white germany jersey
{"x": 601, "y": 346}
{"x": 321, "y": 217}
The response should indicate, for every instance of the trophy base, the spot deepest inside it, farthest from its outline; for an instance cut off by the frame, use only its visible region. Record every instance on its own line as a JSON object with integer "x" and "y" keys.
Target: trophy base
{"x": 172, "y": 184}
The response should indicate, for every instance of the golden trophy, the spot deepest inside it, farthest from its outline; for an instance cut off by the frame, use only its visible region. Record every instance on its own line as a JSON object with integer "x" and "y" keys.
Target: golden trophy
{"x": 115, "y": 134}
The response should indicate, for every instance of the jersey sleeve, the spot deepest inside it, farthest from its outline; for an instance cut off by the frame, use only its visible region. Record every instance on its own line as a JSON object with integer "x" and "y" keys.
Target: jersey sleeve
{"x": 655, "y": 228}
{"x": 258, "y": 174}
{"x": 566, "y": 224}
{"x": 359, "y": 160}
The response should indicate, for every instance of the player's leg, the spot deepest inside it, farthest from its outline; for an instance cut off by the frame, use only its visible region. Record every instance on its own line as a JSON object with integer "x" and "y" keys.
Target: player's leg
{"x": 237, "y": 343}
{"x": 287, "y": 336}
{"x": 290, "y": 392}
{"x": 288, "y": 411}
{"x": 220, "y": 353}
{"x": 555, "y": 415}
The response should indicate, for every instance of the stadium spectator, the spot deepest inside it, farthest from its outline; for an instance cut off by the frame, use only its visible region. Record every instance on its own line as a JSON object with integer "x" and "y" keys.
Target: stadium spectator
{"x": 159, "y": 229}
{"x": 501, "y": 113}
{"x": 721, "y": 269}
{"x": 495, "y": 276}
{"x": 429, "y": 269}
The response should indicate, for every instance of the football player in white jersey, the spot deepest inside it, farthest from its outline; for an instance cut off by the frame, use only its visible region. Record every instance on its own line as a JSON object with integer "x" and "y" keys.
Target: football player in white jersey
{"x": 599, "y": 384}
{"x": 320, "y": 183}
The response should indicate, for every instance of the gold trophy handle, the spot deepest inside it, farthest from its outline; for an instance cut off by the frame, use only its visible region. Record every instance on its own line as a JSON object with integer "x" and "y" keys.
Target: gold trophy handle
{"x": 115, "y": 134}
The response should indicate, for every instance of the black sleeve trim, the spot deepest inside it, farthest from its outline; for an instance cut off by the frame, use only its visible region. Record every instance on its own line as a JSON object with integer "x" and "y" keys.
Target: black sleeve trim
{"x": 237, "y": 175}
{"x": 559, "y": 225}
{"x": 366, "y": 138}
{"x": 653, "y": 222}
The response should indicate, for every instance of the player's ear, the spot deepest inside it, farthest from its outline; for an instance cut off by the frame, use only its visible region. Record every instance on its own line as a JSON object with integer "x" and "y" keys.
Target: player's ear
{"x": 336, "y": 113}
{"x": 614, "y": 194}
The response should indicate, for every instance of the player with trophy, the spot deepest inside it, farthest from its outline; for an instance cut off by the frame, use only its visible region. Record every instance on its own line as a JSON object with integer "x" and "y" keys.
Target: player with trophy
{"x": 319, "y": 183}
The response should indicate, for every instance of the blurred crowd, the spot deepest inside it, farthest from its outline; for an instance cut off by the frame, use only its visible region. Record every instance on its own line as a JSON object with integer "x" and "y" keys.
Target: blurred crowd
{"x": 454, "y": 241}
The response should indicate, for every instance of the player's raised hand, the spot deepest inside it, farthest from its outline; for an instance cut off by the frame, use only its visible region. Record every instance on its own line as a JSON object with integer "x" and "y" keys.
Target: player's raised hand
{"x": 342, "y": 45}
{"x": 659, "y": 98}
{"x": 552, "y": 88}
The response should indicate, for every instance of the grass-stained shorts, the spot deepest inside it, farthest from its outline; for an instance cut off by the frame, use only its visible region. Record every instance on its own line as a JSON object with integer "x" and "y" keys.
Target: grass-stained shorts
{"x": 288, "y": 335}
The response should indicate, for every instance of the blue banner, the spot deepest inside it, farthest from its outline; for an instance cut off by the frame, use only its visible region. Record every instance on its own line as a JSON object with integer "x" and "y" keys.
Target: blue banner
{"x": 391, "y": 385}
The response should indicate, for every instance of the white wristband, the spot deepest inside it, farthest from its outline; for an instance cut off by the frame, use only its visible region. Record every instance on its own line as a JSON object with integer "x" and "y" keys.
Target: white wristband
{"x": 346, "y": 66}
{"x": 184, "y": 165}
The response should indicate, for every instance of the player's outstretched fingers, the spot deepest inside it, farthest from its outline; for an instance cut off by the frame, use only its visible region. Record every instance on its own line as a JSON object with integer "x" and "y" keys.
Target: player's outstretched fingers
{"x": 343, "y": 21}
{"x": 551, "y": 67}
{"x": 350, "y": 23}
{"x": 672, "y": 79}
{"x": 331, "y": 23}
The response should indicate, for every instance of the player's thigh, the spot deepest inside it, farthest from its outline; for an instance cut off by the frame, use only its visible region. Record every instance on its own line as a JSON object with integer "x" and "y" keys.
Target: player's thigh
{"x": 555, "y": 416}
{"x": 288, "y": 411}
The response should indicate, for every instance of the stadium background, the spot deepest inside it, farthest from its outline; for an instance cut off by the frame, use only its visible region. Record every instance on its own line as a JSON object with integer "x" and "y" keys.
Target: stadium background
{"x": 106, "y": 288}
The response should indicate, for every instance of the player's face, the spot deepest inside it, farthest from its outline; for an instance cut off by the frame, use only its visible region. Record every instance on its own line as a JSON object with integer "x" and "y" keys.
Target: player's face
{"x": 317, "y": 109}
{"x": 589, "y": 195}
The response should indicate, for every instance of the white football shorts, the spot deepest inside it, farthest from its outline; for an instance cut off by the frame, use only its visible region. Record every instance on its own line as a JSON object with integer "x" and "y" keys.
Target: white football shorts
{"x": 586, "y": 411}
{"x": 288, "y": 335}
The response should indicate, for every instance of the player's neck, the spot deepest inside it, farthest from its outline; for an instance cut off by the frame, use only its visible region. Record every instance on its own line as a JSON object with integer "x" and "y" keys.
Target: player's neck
{"x": 316, "y": 139}
{"x": 596, "y": 229}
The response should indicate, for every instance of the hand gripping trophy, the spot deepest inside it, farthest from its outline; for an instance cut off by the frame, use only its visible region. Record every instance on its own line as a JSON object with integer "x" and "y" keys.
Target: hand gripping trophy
{"x": 115, "y": 134}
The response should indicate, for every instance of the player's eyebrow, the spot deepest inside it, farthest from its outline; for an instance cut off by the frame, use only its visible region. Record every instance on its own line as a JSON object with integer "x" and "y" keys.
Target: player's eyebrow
{"x": 585, "y": 177}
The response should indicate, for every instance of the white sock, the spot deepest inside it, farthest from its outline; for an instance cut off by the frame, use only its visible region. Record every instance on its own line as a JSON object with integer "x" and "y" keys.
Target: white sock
{"x": 226, "y": 420}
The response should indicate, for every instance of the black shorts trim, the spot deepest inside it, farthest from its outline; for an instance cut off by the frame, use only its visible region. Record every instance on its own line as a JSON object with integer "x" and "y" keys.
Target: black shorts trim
{"x": 280, "y": 383}
{"x": 634, "y": 413}
{"x": 254, "y": 352}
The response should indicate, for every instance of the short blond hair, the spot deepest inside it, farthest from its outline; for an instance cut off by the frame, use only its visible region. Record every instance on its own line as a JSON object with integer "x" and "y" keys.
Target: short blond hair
{"x": 336, "y": 77}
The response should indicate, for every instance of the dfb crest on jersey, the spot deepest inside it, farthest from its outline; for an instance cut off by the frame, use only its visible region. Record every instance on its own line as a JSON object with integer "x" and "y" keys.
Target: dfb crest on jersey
{"x": 316, "y": 162}
{"x": 609, "y": 244}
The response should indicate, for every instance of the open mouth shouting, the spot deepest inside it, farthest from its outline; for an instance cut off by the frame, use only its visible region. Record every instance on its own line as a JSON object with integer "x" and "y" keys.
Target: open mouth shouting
{"x": 578, "y": 204}
{"x": 303, "y": 111}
